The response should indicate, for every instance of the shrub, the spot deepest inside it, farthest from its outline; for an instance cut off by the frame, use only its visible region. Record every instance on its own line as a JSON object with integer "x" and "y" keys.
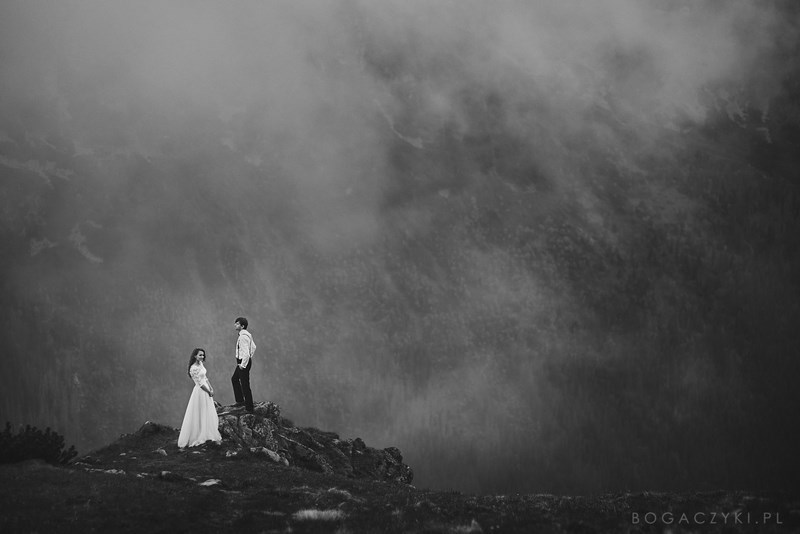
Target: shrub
{"x": 30, "y": 443}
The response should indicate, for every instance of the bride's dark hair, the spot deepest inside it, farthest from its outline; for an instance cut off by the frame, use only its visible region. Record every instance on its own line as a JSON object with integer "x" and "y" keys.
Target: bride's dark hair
{"x": 193, "y": 360}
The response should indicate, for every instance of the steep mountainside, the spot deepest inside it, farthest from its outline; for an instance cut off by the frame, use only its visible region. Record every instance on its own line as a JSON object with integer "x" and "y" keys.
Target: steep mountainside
{"x": 558, "y": 246}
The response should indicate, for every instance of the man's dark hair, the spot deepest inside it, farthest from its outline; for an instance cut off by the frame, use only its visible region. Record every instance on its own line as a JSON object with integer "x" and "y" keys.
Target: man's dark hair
{"x": 242, "y": 321}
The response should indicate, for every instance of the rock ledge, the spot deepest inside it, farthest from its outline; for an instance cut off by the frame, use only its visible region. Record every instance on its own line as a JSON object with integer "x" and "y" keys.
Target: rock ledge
{"x": 266, "y": 433}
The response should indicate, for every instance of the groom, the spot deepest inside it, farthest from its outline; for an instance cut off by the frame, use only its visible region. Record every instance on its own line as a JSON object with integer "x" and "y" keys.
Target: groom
{"x": 245, "y": 347}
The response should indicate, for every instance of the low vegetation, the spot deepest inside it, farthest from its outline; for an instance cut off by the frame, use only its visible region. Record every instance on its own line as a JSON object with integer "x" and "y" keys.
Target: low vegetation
{"x": 144, "y": 483}
{"x": 31, "y": 443}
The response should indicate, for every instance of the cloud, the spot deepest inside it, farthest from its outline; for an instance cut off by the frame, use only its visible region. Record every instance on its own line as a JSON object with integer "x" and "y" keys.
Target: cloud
{"x": 253, "y": 154}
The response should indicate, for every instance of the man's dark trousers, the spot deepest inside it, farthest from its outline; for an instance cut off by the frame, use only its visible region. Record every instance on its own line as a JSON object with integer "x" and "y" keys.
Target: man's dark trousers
{"x": 241, "y": 385}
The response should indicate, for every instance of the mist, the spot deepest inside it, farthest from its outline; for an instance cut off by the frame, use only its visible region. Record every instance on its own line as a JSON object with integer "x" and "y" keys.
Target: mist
{"x": 435, "y": 216}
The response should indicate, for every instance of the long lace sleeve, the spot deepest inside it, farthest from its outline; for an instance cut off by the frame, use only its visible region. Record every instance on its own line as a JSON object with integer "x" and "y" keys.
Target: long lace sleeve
{"x": 197, "y": 375}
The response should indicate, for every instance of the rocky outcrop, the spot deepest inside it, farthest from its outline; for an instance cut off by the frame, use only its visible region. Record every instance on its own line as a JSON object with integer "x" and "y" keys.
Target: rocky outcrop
{"x": 265, "y": 432}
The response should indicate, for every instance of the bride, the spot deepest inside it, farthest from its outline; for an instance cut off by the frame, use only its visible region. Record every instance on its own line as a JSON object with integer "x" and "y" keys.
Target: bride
{"x": 200, "y": 423}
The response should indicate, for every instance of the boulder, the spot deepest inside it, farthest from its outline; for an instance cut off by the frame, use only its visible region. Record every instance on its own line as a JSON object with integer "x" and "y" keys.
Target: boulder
{"x": 272, "y": 455}
{"x": 248, "y": 430}
{"x": 265, "y": 432}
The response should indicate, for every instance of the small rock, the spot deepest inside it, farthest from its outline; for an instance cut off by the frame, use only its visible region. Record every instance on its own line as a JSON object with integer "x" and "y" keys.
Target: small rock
{"x": 211, "y": 482}
{"x": 319, "y": 515}
{"x": 114, "y": 471}
{"x": 472, "y": 528}
{"x": 272, "y": 455}
{"x": 341, "y": 493}
{"x": 162, "y": 452}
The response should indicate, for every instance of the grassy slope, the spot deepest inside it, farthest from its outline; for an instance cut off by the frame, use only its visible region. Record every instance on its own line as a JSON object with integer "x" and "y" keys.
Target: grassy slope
{"x": 151, "y": 492}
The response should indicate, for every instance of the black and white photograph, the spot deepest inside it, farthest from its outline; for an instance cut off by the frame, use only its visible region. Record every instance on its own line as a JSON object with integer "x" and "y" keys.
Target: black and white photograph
{"x": 399, "y": 266}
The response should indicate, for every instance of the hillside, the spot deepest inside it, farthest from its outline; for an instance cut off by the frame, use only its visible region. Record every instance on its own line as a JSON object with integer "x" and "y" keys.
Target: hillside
{"x": 143, "y": 483}
{"x": 558, "y": 246}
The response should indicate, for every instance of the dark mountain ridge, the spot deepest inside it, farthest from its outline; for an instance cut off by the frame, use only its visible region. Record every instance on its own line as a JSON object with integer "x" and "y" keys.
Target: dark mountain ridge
{"x": 558, "y": 248}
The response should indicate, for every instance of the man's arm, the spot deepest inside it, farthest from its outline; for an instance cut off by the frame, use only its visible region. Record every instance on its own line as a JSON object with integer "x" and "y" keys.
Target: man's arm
{"x": 243, "y": 350}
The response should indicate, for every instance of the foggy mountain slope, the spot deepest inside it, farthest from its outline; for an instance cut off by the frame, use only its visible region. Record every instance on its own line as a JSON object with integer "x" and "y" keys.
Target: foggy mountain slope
{"x": 537, "y": 248}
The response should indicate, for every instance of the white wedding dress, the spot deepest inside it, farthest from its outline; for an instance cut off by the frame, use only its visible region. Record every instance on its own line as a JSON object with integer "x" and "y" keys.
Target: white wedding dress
{"x": 200, "y": 423}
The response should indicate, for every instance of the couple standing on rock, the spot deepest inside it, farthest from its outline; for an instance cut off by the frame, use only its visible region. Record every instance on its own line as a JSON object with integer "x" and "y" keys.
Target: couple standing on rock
{"x": 200, "y": 423}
